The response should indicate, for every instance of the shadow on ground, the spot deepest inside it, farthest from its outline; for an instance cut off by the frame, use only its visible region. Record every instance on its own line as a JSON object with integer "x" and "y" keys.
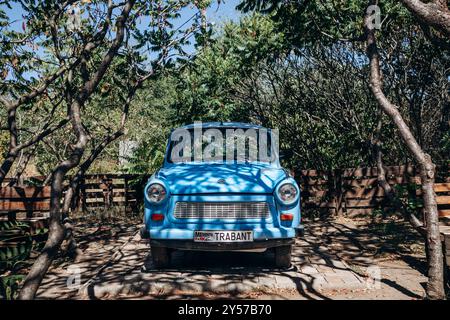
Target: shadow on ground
{"x": 331, "y": 260}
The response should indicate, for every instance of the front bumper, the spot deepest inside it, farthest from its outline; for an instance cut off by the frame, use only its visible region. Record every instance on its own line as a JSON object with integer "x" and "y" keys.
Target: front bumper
{"x": 220, "y": 246}
{"x": 186, "y": 234}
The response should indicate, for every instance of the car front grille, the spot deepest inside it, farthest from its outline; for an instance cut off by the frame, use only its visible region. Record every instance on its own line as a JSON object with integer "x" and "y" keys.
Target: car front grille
{"x": 221, "y": 210}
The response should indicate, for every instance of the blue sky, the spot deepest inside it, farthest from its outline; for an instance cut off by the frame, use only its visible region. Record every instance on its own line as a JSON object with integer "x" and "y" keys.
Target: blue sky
{"x": 226, "y": 11}
{"x": 217, "y": 14}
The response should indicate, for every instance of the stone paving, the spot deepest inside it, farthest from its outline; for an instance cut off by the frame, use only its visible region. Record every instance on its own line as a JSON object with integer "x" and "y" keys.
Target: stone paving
{"x": 121, "y": 267}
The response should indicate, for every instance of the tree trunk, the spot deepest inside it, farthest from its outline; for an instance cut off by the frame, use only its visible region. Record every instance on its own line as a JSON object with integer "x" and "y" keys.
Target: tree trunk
{"x": 387, "y": 188}
{"x": 12, "y": 149}
{"x": 6, "y": 166}
{"x": 435, "y": 287}
{"x": 55, "y": 237}
{"x": 17, "y": 177}
{"x": 56, "y": 230}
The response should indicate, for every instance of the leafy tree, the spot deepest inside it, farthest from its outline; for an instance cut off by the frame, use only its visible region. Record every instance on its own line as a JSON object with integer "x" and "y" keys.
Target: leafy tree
{"x": 308, "y": 22}
{"x": 99, "y": 56}
{"x": 205, "y": 85}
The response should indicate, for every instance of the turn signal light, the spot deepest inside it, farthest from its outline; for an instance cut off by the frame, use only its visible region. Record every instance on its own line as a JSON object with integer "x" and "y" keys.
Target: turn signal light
{"x": 286, "y": 217}
{"x": 157, "y": 217}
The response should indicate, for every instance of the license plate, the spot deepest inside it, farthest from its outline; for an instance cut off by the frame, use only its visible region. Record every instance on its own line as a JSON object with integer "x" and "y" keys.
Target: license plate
{"x": 223, "y": 236}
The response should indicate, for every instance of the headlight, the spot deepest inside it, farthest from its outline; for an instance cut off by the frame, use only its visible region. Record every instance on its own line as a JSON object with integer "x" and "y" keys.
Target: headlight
{"x": 287, "y": 193}
{"x": 156, "y": 193}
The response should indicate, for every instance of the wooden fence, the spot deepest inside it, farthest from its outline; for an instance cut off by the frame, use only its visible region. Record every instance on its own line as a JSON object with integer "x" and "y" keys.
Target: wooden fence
{"x": 23, "y": 215}
{"x": 350, "y": 192}
{"x": 355, "y": 192}
{"x": 105, "y": 191}
{"x": 97, "y": 191}
{"x": 24, "y": 210}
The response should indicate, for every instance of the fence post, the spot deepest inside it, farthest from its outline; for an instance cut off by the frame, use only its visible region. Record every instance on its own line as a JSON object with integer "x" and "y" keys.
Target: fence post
{"x": 107, "y": 192}
{"x": 126, "y": 192}
{"x": 338, "y": 192}
{"x": 335, "y": 191}
{"x": 332, "y": 182}
{"x": 412, "y": 177}
{"x": 82, "y": 201}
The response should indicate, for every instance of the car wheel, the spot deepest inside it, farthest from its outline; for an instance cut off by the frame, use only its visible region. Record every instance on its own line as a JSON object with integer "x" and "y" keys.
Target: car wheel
{"x": 144, "y": 233}
{"x": 160, "y": 257}
{"x": 283, "y": 256}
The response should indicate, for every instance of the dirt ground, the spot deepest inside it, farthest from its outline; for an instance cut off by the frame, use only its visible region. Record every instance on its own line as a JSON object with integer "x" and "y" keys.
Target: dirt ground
{"x": 337, "y": 259}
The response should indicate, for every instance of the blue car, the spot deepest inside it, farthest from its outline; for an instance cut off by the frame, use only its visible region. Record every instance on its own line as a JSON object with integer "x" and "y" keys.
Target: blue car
{"x": 215, "y": 202}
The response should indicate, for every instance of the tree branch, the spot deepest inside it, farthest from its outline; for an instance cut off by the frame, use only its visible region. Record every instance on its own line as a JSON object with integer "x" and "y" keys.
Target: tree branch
{"x": 435, "y": 13}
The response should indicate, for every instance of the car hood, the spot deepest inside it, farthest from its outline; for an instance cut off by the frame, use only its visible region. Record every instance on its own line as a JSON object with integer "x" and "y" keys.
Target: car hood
{"x": 211, "y": 178}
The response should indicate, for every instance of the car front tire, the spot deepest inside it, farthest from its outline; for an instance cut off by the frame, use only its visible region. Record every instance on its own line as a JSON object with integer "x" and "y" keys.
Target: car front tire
{"x": 143, "y": 232}
{"x": 283, "y": 256}
{"x": 160, "y": 257}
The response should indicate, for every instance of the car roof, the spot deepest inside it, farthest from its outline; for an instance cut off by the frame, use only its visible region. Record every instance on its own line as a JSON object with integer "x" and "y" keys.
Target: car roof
{"x": 207, "y": 125}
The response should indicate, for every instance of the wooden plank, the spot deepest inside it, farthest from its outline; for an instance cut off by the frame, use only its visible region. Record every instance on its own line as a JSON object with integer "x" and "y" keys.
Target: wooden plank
{"x": 310, "y": 205}
{"x": 444, "y": 212}
{"x": 129, "y": 189}
{"x": 92, "y": 190}
{"x": 445, "y": 230}
{"x": 306, "y": 187}
{"x": 447, "y": 243}
{"x": 123, "y": 193}
{"x": 401, "y": 170}
{"x": 358, "y": 212}
{"x": 118, "y": 199}
{"x": 95, "y": 200}
{"x": 24, "y": 206}
{"x": 443, "y": 199}
{"x": 359, "y": 172}
{"x": 372, "y": 171}
{"x": 373, "y": 182}
{"x": 445, "y": 237}
{"x": 310, "y": 182}
{"x": 114, "y": 176}
{"x": 364, "y": 193}
{"x": 27, "y": 192}
{"x": 360, "y": 182}
{"x": 313, "y": 178}
{"x": 97, "y": 195}
{"x": 352, "y": 203}
{"x": 316, "y": 194}
{"x": 96, "y": 186}
{"x": 442, "y": 187}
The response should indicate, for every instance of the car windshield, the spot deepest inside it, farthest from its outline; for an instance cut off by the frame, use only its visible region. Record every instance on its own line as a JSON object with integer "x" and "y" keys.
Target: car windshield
{"x": 222, "y": 145}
